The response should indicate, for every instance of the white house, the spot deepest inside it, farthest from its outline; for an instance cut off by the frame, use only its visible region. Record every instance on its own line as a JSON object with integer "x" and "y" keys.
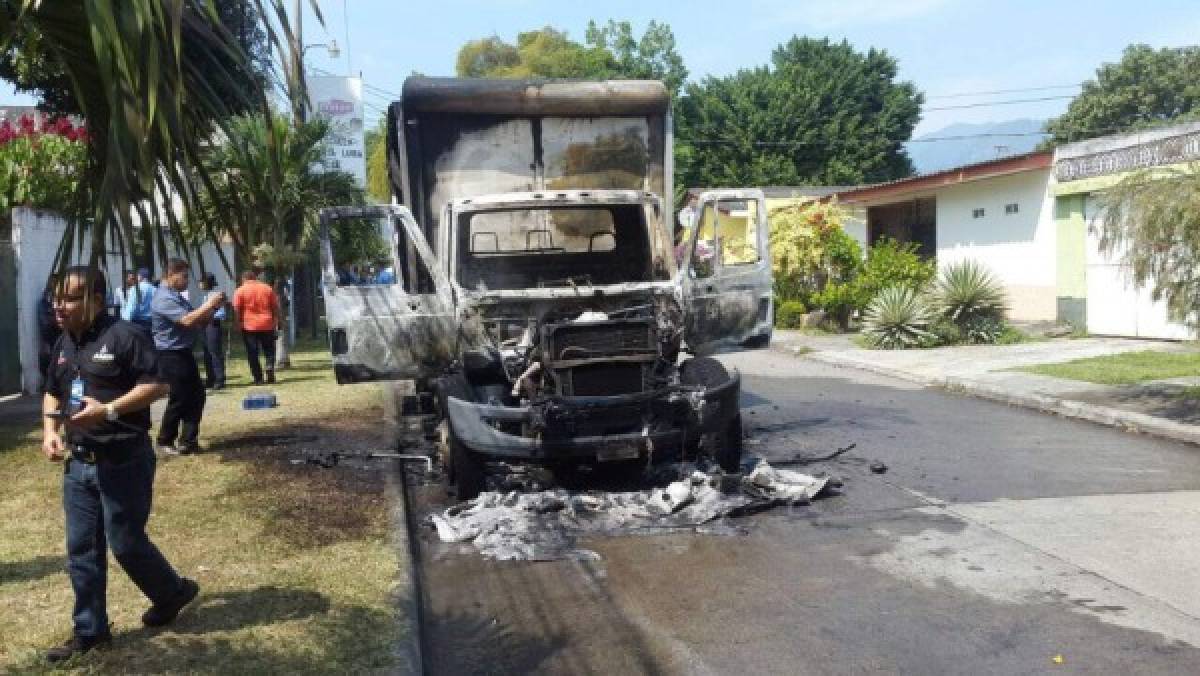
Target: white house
{"x": 1000, "y": 213}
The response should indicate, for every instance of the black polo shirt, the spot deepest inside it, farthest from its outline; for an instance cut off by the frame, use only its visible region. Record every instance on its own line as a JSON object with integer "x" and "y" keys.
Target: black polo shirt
{"x": 112, "y": 356}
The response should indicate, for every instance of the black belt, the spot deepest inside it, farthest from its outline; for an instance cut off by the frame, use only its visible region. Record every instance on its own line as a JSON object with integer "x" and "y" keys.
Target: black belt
{"x": 90, "y": 455}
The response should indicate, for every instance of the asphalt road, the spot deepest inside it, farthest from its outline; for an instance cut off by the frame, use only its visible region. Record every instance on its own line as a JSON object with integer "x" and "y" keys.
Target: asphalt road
{"x": 999, "y": 541}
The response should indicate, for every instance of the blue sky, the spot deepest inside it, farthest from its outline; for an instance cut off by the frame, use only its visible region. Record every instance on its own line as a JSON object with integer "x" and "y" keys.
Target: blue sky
{"x": 946, "y": 47}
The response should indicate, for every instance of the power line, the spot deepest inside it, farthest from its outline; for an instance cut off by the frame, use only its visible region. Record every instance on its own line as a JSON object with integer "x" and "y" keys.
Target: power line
{"x": 997, "y": 103}
{"x": 962, "y": 95}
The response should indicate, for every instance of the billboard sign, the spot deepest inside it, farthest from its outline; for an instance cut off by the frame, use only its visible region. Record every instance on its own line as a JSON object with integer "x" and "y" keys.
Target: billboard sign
{"x": 339, "y": 100}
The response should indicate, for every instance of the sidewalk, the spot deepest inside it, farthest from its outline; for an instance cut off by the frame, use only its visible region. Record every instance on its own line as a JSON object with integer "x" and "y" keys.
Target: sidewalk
{"x": 1153, "y": 407}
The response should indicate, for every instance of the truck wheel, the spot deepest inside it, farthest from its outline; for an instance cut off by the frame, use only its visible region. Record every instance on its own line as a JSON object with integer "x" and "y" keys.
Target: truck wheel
{"x": 464, "y": 469}
{"x": 465, "y": 475}
{"x": 725, "y": 445}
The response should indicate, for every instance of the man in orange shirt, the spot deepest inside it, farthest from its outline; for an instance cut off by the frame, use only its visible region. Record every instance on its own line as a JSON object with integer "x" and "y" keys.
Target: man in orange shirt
{"x": 257, "y": 309}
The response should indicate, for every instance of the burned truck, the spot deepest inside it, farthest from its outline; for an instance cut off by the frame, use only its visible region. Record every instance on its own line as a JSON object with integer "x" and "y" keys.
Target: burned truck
{"x": 542, "y": 302}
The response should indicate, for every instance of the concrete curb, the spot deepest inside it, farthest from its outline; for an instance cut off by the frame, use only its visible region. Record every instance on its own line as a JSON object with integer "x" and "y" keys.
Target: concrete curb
{"x": 1067, "y": 408}
{"x": 409, "y": 659}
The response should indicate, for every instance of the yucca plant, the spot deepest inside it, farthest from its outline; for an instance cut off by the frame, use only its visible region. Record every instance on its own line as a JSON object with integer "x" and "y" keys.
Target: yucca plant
{"x": 967, "y": 293}
{"x": 897, "y": 318}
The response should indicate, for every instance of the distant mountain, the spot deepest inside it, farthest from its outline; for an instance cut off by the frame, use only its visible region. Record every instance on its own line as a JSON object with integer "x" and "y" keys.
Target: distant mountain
{"x": 986, "y": 141}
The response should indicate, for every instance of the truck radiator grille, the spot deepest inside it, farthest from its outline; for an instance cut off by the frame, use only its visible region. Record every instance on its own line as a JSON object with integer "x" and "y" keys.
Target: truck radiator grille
{"x": 601, "y": 339}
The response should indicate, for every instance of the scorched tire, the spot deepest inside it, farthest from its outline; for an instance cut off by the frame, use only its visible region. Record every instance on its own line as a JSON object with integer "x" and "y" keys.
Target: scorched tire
{"x": 725, "y": 445}
{"x": 465, "y": 468}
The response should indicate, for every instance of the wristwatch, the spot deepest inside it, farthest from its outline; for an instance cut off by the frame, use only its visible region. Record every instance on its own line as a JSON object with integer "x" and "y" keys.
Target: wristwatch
{"x": 110, "y": 412}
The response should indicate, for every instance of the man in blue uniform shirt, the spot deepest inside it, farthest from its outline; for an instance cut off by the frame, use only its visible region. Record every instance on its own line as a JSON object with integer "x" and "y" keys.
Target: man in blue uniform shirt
{"x": 102, "y": 380}
{"x": 138, "y": 299}
{"x": 176, "y": 325}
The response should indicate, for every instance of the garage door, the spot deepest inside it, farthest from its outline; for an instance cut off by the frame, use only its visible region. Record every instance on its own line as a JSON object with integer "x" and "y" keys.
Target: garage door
{"x": 1114, "y": 306}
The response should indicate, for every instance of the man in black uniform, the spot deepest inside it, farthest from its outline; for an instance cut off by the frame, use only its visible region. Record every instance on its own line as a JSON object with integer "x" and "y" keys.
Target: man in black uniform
{"x": 103, "y": 377}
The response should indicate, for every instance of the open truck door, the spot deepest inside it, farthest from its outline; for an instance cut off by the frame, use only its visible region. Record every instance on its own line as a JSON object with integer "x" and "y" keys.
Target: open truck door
{"x": 726, "y": 273}
{"x": 386, "y": 322}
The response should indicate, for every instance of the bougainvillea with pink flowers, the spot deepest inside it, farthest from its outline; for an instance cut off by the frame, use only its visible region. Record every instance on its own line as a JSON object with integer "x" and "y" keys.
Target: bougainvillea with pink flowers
{"x": 42, "y": 164}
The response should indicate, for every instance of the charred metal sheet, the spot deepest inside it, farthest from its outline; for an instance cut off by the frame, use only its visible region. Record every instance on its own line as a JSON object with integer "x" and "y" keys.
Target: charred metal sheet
{"x": 535, "y": 97}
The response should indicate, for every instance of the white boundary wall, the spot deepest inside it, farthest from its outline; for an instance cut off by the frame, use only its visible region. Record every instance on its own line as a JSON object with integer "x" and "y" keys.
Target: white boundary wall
{"x": 36, "y": 235}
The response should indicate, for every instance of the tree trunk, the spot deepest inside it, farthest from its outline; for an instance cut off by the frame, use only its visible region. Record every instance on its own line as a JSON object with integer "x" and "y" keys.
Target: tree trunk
{"x": 283, "y": 358}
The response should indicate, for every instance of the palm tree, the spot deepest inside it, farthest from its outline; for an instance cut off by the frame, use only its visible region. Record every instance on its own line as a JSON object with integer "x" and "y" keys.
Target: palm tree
{"x": 150, "y": 104}
{"x": 266, "y": 189}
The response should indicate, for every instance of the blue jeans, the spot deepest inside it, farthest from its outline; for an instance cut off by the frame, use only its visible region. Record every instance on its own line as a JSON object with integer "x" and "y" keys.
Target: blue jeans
{"x": 111, "y": 502}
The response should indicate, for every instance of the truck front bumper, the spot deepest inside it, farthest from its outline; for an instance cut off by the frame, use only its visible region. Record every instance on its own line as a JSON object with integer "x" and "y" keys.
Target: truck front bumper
{"x": 595, "y": 428}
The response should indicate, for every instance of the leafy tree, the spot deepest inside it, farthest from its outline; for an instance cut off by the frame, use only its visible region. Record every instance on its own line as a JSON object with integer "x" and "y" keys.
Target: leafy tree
{"x": 379, "y": 189}
{"x": 821, "y": 113}
{"x": 1153, "y": 217}
{"x": 609, "y": 51}
{"x": 653, "y": 57}
{"x": 1147, "y": 87}
{"x": 487, "y": 57}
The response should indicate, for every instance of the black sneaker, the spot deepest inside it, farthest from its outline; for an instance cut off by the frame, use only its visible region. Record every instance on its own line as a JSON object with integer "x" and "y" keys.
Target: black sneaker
{"x": 270, "y": 377}
{"x": 77, "y": 645}
{"x": 188, "y": 448}
{"x": 159, "y": 615}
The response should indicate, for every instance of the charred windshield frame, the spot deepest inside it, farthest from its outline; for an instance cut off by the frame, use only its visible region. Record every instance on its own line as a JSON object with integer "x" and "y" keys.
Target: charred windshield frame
{"x": 637, "y": 251}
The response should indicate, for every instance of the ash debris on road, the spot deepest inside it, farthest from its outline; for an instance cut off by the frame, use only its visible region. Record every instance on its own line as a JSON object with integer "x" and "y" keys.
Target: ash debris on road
{"x": 543, "y": 525}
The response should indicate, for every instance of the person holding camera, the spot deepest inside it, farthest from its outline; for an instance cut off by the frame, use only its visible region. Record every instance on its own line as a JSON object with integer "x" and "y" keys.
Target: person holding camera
{"x": 102, "y": 379}
{"x": 214, "y": 338}
{"x": 176, "y": 324}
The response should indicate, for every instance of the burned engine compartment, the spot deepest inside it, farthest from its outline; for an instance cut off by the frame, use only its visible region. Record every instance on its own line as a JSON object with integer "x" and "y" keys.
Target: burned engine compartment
{"x": 591, "y": 378}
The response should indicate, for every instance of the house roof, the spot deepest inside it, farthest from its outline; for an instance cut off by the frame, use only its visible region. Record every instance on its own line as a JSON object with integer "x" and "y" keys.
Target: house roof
{"x": 785, "y": 192}
{"x": 1014, "y": 164}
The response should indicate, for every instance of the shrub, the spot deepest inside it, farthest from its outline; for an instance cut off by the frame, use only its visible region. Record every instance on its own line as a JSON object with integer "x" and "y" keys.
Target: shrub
{"x": 789, "y": 314}
{"x": 897, "y": 318}
{"x": 890, "y": 263}
{"x": 945, "y": 332}
{"x": 1011, "y": 335}
{"x": 981, "y": 330}
{"x": 839, "y": 300}
{"x": 809, "y": 249}
{"x": 967, "y": 293}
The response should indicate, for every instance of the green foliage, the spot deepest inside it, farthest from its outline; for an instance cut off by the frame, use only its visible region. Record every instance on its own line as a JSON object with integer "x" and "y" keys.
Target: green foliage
{"x": 155, "y": 81}
{"x": 379, "y": 189}
{"x": 1146, "y": 87}
{"x": 608, "y": 52}
{"x": 891, "y": 263}
{"x": 982, "y": 330}
{"x": 43, "y": 170}
{"x": 945, "y": 332}
{"x": 33, "y": 66}
{"x": 809, "y": 249}
{"x": 266, "y": 176}
{"x": 789, "y": 314}
{"x": 1011, "y": 335}
{"x": 897, "y": 318}
{"x": 968, "y": 294}
{"x": 839, "y": 300}
{"x": 830, "y": 116}
{"x": 1153, "y": 218}
{"x": 653, "y": 57}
